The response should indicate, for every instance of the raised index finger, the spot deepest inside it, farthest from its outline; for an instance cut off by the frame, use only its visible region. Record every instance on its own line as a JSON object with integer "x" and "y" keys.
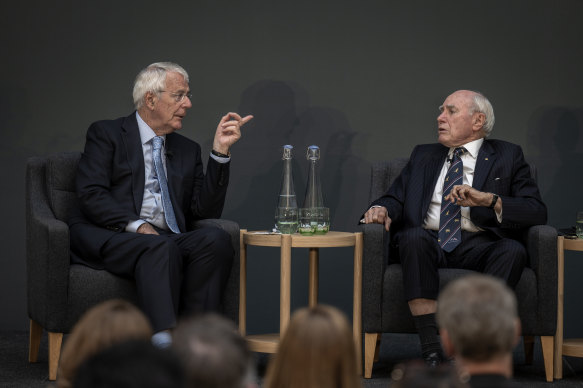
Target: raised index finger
{"x": 246, "y": 119}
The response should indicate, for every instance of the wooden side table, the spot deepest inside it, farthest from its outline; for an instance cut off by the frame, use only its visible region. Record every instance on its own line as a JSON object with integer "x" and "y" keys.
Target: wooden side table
{"x": 268, "y": 343}
{"x": 564, "y": 347}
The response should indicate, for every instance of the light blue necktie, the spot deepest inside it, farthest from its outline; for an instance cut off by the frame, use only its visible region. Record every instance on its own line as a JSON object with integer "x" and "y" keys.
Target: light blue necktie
{"x": 161, "y": 175}
{"x": 450, "y": 226}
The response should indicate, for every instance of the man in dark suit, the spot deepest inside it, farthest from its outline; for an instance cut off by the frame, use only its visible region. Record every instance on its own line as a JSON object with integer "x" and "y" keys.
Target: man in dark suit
{"x": 140, "y": 186}
{"x": 462, "y": 203}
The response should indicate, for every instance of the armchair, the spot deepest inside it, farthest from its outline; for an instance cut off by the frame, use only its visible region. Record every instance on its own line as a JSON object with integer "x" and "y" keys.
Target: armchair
{"x": 385, "y": 309}
{"x": 60, "y": 292}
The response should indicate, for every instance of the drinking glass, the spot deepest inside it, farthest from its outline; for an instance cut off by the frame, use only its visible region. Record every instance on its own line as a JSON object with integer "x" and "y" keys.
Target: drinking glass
{"x": 323, "y": 220}
{"x": 579, "y": 225}
{"x": 308, "y": 221}
{"x": 286, "y": 219}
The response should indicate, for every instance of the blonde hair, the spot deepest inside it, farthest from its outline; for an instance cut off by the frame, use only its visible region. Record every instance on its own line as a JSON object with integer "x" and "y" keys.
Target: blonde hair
{"x": 107, "y": 323}
{"x": 317, "y": 350}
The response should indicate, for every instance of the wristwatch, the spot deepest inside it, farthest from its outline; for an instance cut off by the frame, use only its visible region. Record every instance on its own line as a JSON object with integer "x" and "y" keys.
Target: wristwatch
{"x": 220, "y": 154}
{"x": 494, "y": 200}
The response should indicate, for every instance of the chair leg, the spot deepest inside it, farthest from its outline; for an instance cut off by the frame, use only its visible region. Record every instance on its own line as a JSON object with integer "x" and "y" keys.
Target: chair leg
{"x": 547, "y": 343}
{"x": 34, "y": 337}
{"x": 378, "y": 349}
{"x": 528, "y": 348}
{"x": 55, "y": 341}
{"x": 371, "y": 341}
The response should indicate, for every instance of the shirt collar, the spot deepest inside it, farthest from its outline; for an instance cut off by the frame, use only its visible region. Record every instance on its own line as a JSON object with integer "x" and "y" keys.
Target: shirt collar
{"x": 146, "y": 133}
{"x": 472, "y": 148}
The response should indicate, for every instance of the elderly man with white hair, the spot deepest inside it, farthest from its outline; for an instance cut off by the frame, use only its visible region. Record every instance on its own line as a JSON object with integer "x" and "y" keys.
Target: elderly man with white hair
{"x": 460, "y": 203}
{"x": 140, "y": 187}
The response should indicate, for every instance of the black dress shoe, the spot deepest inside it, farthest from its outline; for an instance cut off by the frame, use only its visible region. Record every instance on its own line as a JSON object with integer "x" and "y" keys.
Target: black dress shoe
{"x": 432, "y": 360}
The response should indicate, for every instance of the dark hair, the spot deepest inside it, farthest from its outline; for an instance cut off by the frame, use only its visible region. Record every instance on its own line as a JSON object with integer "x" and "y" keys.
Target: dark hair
{"x": 131, "y": 364}
{"x": 213, "y": 353}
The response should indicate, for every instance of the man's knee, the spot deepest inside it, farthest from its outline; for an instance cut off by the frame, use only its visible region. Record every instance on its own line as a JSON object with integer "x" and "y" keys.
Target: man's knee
{"x": 513, "y": 250}
{"x": 218, "y": 241}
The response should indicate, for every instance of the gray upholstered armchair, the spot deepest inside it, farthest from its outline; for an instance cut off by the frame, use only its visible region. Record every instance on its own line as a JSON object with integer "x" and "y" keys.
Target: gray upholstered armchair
{"x": 58, "y": 292}
{"x": 384, "y": 307}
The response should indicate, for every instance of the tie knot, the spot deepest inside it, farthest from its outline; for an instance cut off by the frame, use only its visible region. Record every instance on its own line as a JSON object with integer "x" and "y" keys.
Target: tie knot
{"x": 157, "y": 142}
{"x": 459, "y": 151}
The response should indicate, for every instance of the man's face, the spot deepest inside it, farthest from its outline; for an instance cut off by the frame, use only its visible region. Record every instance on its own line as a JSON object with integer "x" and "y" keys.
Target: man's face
{"x": 167, "y": 114}
{"x": 455, "y": 124}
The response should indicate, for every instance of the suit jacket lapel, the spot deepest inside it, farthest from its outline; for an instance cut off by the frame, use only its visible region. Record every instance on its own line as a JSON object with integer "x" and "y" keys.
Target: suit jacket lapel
{"x": 135, "y": 156}
{"x": 173, "y": 168}
{"x": 486, "y": 158}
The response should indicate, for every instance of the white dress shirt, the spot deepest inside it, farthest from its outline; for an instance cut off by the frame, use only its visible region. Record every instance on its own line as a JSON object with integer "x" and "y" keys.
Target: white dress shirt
{"x": 152, "y": 210}
{"x": 469, "y": 159}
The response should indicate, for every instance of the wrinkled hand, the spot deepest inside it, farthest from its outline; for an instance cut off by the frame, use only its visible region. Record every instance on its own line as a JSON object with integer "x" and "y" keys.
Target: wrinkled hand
{"x": 229, "y": 131}
{"x": 465, "y": 195}
{"x": 146, "y": 228}
{"x": 378, "y": 215}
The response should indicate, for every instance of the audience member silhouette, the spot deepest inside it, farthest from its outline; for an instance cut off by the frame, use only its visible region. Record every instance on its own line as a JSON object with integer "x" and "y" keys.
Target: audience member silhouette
{"x": 103, "y": 325}
{"x": 479, "y": 326}
{"x": 132, "y": 364}
{"x": 213, "y": 353}
{"x": 317, "y": 350}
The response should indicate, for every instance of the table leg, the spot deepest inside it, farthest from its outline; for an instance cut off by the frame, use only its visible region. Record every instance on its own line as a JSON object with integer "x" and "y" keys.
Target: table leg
{"x": 558, "y": 357}
{"x": 313, "y": 281}
{"x": 285, "y": 282}
{"x": 357, "y": 303}
{"x": 242, "y": 284}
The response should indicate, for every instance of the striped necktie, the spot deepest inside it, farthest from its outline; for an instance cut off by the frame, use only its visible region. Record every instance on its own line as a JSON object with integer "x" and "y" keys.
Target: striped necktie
{"x": 450, "y": 226}
{"x": 161, "y": 175}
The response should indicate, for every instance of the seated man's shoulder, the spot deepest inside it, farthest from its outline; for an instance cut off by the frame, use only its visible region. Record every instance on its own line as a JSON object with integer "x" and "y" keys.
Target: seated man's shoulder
{"x": 108, "y": 124}
{"x": 503, "y": 145}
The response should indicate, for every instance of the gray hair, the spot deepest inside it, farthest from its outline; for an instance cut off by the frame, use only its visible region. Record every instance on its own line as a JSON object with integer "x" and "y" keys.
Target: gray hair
{"x": 482, "y": 105}
{"x": 479, "y": 314}
{"x": 153, "y": 79}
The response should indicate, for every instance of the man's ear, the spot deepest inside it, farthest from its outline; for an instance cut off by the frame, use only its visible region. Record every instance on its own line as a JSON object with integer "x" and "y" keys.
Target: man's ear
{"x": 478, "y": 121}
{"x": 446, "y": 343}
{"x": 150, "y": 99}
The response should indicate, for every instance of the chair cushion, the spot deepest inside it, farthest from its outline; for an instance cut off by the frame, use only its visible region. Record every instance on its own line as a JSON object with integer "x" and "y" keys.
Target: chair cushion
{"x": 88, "y": 287}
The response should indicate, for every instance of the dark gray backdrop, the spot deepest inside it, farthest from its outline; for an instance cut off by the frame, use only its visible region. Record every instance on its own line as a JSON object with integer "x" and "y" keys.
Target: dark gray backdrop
{"x": 362, "y": 80}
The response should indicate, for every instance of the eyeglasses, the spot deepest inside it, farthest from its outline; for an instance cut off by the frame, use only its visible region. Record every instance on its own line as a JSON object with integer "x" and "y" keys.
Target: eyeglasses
{"x": 178, "y": 97}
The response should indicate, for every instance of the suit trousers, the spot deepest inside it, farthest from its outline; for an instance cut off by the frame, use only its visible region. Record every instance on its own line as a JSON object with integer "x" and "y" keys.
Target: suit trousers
{"x": 175, "y": 274}
{"x": 421, "y": 257}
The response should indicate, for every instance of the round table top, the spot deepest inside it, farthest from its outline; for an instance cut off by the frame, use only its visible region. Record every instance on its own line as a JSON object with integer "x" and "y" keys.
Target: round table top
{"x": 328, "y": 240}
{"x": 573, "y": 244}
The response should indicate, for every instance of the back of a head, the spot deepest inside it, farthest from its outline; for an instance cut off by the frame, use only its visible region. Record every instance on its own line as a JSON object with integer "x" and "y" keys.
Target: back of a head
{"x": 105, "y": 324}
{"x": 480, "y": 316}
{"x": 212, "y": 352}
{"x": 317, "y": 350}
{"x": 131, "y": 364}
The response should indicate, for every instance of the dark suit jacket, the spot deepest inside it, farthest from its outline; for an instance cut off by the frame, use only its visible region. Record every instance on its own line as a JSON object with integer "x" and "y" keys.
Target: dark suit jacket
{"x": 111, "y": 178}
{"x": 500, "y": 169}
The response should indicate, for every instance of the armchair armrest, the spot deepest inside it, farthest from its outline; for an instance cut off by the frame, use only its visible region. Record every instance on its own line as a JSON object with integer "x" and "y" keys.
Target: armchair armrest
{"x": 541, "y": 245}
{"x": 231, "y": 293}
{"x": 47, "y": 252}
{"x": 375, "y": 259}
